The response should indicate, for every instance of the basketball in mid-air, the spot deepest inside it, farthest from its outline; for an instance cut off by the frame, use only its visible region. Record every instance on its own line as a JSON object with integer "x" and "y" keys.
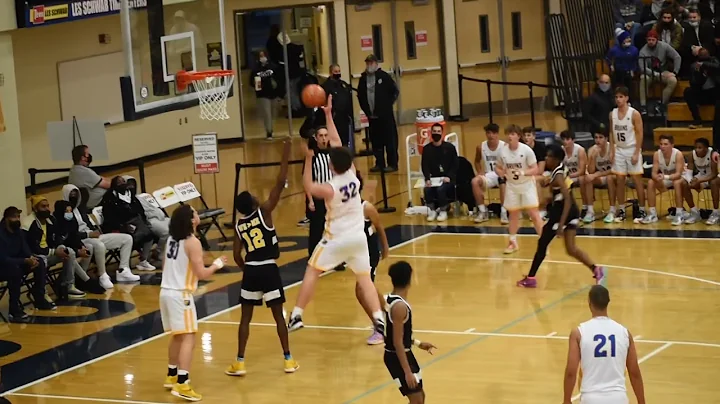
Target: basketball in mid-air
{"x": 313, "y": 96}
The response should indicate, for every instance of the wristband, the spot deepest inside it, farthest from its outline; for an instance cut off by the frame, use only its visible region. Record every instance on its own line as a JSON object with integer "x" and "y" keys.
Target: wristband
{"x": 417, "y": 342}
{"x": 667, "y": 177}
{"x": 218, "y": 263}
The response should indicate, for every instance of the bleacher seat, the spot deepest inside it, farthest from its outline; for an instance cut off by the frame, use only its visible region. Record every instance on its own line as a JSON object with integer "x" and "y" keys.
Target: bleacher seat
{"x": 682, "y": 136}
{"x": 679, "y": 112}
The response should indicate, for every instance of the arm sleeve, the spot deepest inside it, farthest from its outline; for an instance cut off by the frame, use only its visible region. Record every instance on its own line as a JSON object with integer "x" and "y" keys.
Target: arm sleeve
{"x": 677, "y": 60}
{"x": 426, "y": 163}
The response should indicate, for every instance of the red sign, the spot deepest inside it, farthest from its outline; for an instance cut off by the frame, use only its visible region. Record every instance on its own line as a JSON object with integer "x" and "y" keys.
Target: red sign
{"x": 421, "y": 38}
{"x": 38, "y": 15}
{"x": 207, "y": 168}
{"x": 366, "y": 43}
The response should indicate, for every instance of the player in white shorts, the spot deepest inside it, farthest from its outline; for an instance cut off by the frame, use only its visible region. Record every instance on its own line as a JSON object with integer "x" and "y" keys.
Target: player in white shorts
{"x": 518, "y": 165}
{"x": 182, "y": 268}
{"x": 599, "y": 173}
{"x": 602, "y": 348}
{"x": 576, "y": 165}
{"x": 486, "y": 157}
{"x": 344, "y": 238}
{"x": 626, "y": 131}
{"x": 705, "y": 176}
{"x": 667, "y": 172}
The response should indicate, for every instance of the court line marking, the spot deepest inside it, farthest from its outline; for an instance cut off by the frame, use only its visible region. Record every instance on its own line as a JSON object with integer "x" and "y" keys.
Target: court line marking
{"x": 104, "y": 400}
{"x": 552, "y": 335}
{"x": 651, "y": 271}
{"x": 143, "y": 342}
{"x": 669, "y": 238}
{"x": 637, "y": 338}
{"x": 640, "y": 361}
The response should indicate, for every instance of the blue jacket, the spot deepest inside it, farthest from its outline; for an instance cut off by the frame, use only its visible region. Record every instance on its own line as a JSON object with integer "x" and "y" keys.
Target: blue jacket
{"x": 14, "y": 248}
{"x": 625, "y": 59}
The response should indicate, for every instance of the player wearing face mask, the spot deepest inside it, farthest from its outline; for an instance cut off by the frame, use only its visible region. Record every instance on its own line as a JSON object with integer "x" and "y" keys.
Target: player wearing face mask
{"x": 439, "y": 161}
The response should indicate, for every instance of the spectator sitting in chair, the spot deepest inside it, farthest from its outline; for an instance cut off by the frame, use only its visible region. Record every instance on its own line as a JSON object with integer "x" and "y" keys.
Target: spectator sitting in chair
{"x": 45, "y": 242}
{"x": 82, "y": 176}
{"x": 669, "y": 30}
{"x": 67, "y": 233}
{"x": 159, "y": 222}
{"x": 698, "y": 34}
{"x": 655, "y": 58}
{"x": 16, "y": 260}
{"x": 439, "y": 160}
{"x": 124, "y": 214}
{"x": 704, "y": 88}
{"x": 98, "y": 243}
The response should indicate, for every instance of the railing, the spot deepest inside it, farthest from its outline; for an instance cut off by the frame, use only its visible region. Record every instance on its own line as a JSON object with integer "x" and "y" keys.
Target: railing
{"x": 136, "y": 163}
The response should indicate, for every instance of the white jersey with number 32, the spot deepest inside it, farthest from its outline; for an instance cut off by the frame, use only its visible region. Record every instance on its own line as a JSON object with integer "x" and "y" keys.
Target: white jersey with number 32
{"x": 623, "y": 129}
{"x": 345, "y": 214}
{"x": 604, "y": 345}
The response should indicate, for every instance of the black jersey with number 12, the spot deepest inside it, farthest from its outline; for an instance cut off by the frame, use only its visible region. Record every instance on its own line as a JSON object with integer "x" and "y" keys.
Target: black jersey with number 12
{"x": 259, "y": 240}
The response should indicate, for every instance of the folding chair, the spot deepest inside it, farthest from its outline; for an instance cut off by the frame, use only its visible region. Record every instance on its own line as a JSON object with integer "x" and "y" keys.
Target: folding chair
{"x": 187, "y": 192}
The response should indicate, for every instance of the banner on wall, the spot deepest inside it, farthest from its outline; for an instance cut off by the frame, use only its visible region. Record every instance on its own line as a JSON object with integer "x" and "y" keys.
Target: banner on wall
{"x": 366, "y": 43}
{"x": 421, "y": 38}
{"x": 64, "y": 11}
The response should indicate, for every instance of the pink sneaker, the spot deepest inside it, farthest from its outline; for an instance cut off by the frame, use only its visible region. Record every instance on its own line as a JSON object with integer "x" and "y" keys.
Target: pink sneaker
{"x": 375, "y": 339}
{"x": 527, "y": 282}
{"x": 599, "y": 274}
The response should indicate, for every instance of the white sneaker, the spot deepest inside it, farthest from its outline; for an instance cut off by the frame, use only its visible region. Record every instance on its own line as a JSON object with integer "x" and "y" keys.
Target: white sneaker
{"x": 677, "y": 221}
{"x": 431, "y": 215}
{"x": 125, "y": 275}
{"x": 504, "y": 217}
{"x": 692, "y": 218}
{"x": 649, "y": 219}
{"x": 442, "y": 216}
{"x": 713, "y": 219}
{"x": 105, "y": 281}
{"x": 589, "y": 217}
{"x": 610, "y": 218}
{"x": 144, "y": 266}
{"x": 481, "y": 217}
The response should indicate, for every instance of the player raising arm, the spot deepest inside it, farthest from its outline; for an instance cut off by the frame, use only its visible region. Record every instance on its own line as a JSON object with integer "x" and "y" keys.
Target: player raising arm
{"x": 255, "y": 233}
{"x": 603, "y": 348}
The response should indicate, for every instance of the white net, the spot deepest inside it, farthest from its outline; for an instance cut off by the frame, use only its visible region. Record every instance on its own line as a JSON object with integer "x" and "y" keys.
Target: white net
{"x": 213, "y": 92}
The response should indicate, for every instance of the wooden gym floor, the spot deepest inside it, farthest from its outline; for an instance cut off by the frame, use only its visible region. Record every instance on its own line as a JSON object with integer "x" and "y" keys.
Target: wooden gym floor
{"x": 497, "y": 343}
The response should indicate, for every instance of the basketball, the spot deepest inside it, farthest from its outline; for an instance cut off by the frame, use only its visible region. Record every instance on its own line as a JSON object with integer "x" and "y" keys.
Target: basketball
{"x": 313, "y": 96}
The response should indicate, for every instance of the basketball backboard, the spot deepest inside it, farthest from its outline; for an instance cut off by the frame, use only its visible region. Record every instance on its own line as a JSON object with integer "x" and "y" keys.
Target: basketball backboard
{"x": 169, "y": 36}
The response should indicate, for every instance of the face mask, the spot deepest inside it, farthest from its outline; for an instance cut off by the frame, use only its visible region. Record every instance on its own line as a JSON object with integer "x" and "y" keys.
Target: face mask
{"x": 694, "y": 24}
{"x": 42, "y": 214}
{"x": 263, "y": 60}
{"x": 132, "y": 190}
{"x": 74, "y": 201}
{"x": 121, "y": 188}
{"x": 14, "y": 224}
{"x": 372, "y": 69}
{"x": 336, "y": 76}
{"x": 89, "y": 159}
{"x": 604, "y": 87}
{"x": 68, "y": 216}
{"x": 626, "y": 44}
{"x": 436, "y": 137}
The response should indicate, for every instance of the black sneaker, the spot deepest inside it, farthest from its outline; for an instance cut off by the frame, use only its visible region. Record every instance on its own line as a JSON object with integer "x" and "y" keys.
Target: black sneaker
{"x": 375, "y": 169}
{"x": 18, "y": 316}
{"x": 380, "y": 327}
{"x": 340, "y": 267}
{"x": 390, "y": 169}
{"x": 42, "y": 304}
{"x": 620, "y": 216}
{"x": 295, "y": 323}
{"x": 303, "y": 222}
{"x": 93, "y": 286}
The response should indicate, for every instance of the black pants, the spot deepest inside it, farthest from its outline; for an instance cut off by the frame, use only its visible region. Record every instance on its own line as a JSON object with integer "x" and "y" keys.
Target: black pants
{"x": 695, "y": 97}
{"x": 384, "y": 139}
{"x": 14, "y": 277}
{"x": 317, "y": 224}
{"x": 342, "y": 123}
{"x": 438, "y": 197}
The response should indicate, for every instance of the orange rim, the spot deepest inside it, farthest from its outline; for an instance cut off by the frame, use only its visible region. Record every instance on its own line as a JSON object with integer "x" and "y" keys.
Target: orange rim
{"x": 184, "y": 78}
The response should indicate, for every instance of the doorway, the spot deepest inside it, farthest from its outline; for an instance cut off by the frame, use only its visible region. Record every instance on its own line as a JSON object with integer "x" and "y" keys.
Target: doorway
{"x": 297, "y": 46}
{"x": 405, "y": 37}
{"x": 501, "y": 40}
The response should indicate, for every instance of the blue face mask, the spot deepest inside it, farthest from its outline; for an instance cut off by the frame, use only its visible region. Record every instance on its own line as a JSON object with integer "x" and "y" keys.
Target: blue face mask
{"x": 68, "y": 216}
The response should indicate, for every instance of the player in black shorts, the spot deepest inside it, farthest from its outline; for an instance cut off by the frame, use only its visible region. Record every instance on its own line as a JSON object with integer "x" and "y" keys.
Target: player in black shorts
{"x": 378, "y": 249}
{"x": 399, "y": 359}
{"x": 563, "y": 218}
{"x": 256, "y": 234}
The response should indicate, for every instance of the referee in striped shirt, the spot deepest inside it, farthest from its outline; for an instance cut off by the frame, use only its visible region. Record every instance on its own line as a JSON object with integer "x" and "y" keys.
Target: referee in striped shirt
{"x": 321, "y": 174}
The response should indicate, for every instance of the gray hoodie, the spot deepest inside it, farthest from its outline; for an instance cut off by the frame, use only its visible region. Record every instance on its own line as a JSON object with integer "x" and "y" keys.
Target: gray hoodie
{"x": 82, "y": 225}
{"x": 660, "y": 55}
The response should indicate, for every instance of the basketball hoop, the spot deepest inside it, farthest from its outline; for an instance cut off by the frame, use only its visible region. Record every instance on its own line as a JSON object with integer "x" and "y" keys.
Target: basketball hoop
{"x": 212, "y": 87}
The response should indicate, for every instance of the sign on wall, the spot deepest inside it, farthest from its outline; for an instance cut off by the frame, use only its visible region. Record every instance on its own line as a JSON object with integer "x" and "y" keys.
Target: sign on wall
{"x": 63, "y": 11}
{"x": 421, "y": 38}
{"x": 366, "y": 43}
{"x": 206, "y": 159}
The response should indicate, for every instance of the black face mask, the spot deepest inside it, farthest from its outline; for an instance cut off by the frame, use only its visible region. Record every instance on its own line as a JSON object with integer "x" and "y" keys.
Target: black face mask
{"x": 73, "y": 200}
{"x": 436, "y": 137}
{"x": 336, "y": 76}
{"x": 132, "y": 190}
{"x": 42, "y": 214}
{"x": 121, "y": 188}
{"x": 14, "y": 225}
{"x": 89, "y": 159}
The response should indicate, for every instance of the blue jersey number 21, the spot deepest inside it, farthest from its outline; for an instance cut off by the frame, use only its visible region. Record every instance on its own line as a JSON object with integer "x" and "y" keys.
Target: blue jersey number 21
{"x": 600, "y": 350}
{"x": 348, "y": 191}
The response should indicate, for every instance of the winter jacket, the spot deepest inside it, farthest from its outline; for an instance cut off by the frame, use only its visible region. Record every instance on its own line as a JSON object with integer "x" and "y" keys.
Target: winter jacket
{"x": 151, "y": 211}
{"x": 598, "y": 107}
{"x": 269, "y": 82}
{"x": 624, "y": 59}
{"x": 119, "y": 210}
{"x": 85, "y": 224}
{"x": 67, "y": 232}
{"x": 32, "y": 226}
{"x": 673, "y": 35}
{"x": 14, "y": 248}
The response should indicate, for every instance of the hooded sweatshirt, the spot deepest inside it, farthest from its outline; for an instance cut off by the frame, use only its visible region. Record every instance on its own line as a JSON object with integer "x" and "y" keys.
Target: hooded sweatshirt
{"x": 151, "y": 212}
{"x": 85, "y": 225}
{"x": 661, "y": 55}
